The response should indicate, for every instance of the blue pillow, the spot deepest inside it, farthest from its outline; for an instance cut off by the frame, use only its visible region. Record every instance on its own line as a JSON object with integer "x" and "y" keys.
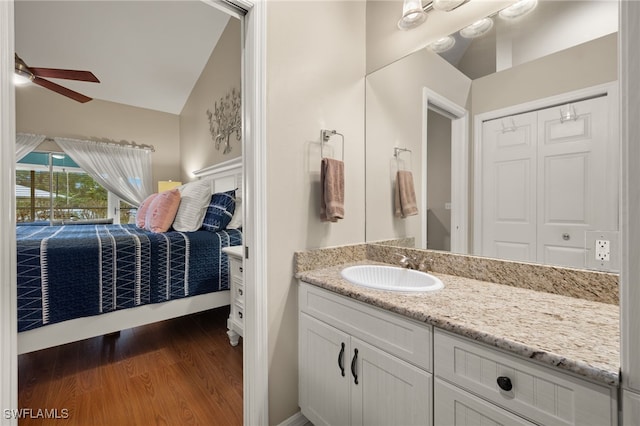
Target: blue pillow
{"x": 220, "y": 211}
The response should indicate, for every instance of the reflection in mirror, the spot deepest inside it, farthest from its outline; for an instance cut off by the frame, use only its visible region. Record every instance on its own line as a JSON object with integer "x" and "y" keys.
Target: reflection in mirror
{"x": 442, "y": 109}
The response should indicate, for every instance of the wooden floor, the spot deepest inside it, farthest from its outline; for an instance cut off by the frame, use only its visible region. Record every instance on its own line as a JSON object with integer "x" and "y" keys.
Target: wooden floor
{"x": 177, "y": 372}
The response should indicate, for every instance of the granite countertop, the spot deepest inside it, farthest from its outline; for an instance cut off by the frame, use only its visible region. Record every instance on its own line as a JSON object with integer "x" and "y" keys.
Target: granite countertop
{"x": 573, "y": 334}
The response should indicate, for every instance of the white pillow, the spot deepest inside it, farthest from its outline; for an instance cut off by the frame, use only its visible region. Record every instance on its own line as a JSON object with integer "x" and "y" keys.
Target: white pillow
{"x": 236, "y": 220}
{"x": 194, "y": 199}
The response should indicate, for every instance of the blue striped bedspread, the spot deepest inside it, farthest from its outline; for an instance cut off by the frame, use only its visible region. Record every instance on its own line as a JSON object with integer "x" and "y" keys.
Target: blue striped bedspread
{"x": 75, "y": 271}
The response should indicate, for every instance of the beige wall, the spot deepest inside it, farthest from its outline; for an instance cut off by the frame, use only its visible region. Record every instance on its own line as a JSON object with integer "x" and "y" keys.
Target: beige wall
{"x": 44, "y": 112}
{"x": 582, "y": 66}
{"x": 220, "y": 75}
{"x": 315, "y": 80}
{"x": 394, "y": 117}
{"x": 438, "y": 182}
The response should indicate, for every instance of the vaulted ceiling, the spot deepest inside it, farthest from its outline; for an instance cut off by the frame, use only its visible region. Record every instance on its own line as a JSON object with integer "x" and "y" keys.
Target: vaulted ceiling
{"x": 147, "y": 54}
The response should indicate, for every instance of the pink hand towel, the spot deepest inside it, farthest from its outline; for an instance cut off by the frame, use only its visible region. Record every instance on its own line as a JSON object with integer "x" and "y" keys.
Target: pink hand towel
{"x": 405, "y": 195}
{"x": 332, "y": 190}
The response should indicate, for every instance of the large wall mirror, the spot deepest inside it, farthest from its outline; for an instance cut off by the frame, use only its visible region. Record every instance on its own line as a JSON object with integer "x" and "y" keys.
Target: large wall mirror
{"x": 511, "y": 137}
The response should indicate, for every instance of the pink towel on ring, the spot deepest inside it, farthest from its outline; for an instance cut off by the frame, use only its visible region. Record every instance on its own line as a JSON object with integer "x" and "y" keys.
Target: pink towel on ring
{"x": 332, "y": 190}
{"x": 405, "y": 195}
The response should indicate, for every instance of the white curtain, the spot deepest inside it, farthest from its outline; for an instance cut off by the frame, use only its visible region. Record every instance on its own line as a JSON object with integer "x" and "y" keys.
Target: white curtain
{"x": 25, "y": 143}
{"x": 123, "y": 170}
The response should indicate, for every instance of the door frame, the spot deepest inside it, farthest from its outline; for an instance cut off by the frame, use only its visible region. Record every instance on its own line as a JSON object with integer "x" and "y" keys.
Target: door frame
{"x": 607, "y": 89}
{"x": 459, "y": 116}
{"x": 255, "y": 355}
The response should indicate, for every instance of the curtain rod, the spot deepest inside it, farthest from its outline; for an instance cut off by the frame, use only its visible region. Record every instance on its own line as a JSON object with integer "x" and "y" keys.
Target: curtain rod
{"x": 121, "y": 143}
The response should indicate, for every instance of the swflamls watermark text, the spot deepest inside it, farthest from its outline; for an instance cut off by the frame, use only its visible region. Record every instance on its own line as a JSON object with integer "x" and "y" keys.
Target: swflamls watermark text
{"x": 36, "y": 413}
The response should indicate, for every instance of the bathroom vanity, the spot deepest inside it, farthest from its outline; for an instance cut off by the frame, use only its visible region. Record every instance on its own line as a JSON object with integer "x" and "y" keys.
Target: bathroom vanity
{"x": 474, "y": 352}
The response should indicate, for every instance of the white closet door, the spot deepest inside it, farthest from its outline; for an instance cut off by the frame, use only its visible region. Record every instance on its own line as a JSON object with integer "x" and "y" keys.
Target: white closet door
{"x": 546, "y": 181}
{"x": 509, "y": 187}
{"x": 575, "y": 181}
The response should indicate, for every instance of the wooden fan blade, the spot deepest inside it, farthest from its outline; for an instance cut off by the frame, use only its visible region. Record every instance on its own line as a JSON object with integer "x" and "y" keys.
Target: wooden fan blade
{"x": 61, "y": 90}
{"x": 65, "y": 74}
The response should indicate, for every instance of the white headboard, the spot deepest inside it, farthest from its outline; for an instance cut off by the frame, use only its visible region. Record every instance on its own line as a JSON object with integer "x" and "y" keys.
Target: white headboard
{"x": 223, "y": 176}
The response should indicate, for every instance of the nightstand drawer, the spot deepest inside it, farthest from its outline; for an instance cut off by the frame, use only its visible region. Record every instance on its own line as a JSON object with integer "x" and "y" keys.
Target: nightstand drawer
{"x": 238, "y": 309}
{"x": 235, "y": 268}
{"x": 239, "y": 291}
{"x": 540, "y": 394}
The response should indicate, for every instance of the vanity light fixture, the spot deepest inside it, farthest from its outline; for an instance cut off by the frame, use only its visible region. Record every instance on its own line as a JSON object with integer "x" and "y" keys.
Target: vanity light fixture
{"x": 477, "y": 29}
{"x": 518, "y": 9}
{"x": 447, "y": 5}
{"x": 443, "y": 44}
{"x": 414, "y": 13}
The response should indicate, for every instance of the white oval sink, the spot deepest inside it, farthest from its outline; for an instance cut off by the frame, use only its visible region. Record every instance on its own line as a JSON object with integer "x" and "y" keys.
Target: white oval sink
{"x": 392, "y": 278}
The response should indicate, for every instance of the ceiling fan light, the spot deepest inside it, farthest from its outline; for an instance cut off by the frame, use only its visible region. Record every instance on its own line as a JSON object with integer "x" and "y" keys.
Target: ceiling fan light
{"x": 443, "y": 44}
{"x": 412, "y": 14}
{"x": 447, "y": 5}
{"x": 518, "y": 9}
{"x": 477, "y": 29}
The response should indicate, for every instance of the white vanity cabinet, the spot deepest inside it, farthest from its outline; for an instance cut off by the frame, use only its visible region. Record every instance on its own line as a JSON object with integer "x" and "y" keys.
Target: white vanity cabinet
{"x": 475, "y": 381}
{"x": 235, "y": 323}
{"x": 359, "y": 365}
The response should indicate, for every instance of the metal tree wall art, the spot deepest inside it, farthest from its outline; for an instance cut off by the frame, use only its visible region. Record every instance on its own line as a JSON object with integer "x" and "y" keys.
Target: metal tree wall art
{"x": 225, "y": 120}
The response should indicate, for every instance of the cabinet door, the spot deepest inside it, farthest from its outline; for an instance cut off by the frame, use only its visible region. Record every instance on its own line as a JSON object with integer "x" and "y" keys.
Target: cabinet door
{"x": 323, "y": 387}
{"x": 388, "y": 391}
{"x": 456, "y": 407}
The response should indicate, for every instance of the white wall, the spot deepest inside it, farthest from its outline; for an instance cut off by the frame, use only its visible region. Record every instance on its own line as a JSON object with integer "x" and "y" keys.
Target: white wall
{"x": 44, "y": 112}
{"x": 220, "y": 75}
{"x": 315, "y": 80}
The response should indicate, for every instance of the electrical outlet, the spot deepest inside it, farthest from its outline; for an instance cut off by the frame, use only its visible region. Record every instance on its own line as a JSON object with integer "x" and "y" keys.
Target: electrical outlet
{"x": 447, "y": 206}
{"x": 603, "y": 250}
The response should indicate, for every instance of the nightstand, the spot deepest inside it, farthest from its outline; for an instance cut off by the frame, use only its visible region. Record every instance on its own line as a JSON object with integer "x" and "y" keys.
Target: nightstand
{"x": 235, "y": 323}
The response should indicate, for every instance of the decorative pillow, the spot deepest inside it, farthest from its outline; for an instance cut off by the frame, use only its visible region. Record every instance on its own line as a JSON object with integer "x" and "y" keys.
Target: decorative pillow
{"x": 141, "y": 214}
{"x": 236, "y": 220}
{"x": 162, "y": 211}
{"x": 194, "y": 199}
{"x": 220, "y": 211}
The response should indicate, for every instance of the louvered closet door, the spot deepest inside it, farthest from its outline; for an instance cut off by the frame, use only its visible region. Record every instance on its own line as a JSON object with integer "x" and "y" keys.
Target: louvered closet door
{"x": 577, "y": 183}
{"x": 509, "y": 187}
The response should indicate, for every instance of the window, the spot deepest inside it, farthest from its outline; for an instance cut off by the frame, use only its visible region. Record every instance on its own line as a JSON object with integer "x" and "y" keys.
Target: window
{"x": 49, "y": 183}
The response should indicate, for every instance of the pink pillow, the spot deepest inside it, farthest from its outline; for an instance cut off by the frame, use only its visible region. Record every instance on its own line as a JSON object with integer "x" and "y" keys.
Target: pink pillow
{"x": 141, "y": 215}
{"x": 162, "y": 211}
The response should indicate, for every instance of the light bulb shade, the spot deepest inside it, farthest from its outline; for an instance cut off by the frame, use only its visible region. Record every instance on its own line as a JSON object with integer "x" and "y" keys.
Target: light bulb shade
{"x": 477, "y": 29}
{"x": 165, "y": 185}
{"x": 443, "y": 44}
{"x": 518, "y": 9}
{"x": 412, "y": 14}
{"x": 447, "y": 5}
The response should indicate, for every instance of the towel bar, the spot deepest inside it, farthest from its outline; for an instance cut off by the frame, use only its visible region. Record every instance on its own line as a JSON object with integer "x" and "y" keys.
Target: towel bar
{"x": 325, "y": 135}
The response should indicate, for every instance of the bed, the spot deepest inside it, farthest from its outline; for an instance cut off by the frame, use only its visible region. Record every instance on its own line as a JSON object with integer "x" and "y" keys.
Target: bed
{"x": 81, "y": 281}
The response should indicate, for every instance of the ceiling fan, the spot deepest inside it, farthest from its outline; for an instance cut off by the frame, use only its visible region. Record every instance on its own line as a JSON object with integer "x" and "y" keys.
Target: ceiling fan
{"x": 36, "y": 76}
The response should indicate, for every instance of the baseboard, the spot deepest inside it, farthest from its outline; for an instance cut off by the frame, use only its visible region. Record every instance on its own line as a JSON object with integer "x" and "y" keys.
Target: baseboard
{"x": 296, "y": 420}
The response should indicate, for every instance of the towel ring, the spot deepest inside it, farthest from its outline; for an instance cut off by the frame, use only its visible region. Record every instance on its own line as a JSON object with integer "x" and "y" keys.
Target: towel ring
{"x": 396, "y": 153}
{"x": 325, "y": 135}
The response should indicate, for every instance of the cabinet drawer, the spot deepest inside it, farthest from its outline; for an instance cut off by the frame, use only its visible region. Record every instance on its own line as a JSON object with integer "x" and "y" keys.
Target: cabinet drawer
{"x": 239, "y": 312}
{"x": 235, "y": 268}
{"x": 404, "y": 338}
{"x": 540, "y": 394}
{"x": 238, "y": 291}
{"x": 455, "y": 407}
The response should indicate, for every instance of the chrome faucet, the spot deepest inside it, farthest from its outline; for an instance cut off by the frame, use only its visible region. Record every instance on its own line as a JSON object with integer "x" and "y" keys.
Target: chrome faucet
{"x": 411, "y": 262}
